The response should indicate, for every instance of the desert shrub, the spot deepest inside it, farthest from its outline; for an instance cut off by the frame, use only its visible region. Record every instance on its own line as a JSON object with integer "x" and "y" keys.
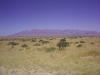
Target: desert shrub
{"x": 12, "y": 44}
{"x": 92, "y": 43}
{"x": 79, "y": 45}
{"x": 51, "y": 49}
{"x": 76, "y": 42}
{"x": 62, "y": 44}
{"x": 34, "y": 40}
{"x": 40, "y": 41}
{"x": 43, "y": 42}
{"x": 82, "y": 41}
{"x": 50, "y": 39}
{"x": 24, "y": 46}
{"x": 23, "y": 40}
{"x": 1, "y": 40}
{"x": 37, "y": 44}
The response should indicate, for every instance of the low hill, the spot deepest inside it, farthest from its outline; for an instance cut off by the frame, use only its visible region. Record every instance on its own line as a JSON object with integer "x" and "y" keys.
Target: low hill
{"x": 55, "y": 32}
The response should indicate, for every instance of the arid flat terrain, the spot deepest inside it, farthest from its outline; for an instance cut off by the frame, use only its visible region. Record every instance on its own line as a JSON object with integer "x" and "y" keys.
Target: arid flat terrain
{"x": 42, "y": 56}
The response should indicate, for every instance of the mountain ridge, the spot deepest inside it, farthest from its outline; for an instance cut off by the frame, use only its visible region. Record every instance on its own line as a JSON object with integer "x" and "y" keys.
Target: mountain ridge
{"x": 55, "y": 32}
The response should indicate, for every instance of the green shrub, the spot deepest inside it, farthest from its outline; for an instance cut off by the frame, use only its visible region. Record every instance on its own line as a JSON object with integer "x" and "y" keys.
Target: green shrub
{"x": 76, "y": 42}
{"x": 51, "y": 49}
{"x": 12, "y": 44}
{"x": 62, "y": 44}
{"x": 24, "y": 46}
{"x": 82, "y": 41}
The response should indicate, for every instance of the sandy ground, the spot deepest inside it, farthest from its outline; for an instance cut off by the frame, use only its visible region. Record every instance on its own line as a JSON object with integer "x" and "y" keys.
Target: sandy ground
{"x": 35, "y": 71}
{"x": 37, "y": 60}
{"x": 23, "y": 71}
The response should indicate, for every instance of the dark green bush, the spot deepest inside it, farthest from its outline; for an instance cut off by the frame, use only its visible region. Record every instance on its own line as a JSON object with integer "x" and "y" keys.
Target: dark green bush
{"x": 62, "y": 44}
{"x": 12, "y": 44}
{"x": 24, "y": 45}
{"x": 76, "y": 42}
{"x": 51, "y": 49}
{"x": 82, "y": 41}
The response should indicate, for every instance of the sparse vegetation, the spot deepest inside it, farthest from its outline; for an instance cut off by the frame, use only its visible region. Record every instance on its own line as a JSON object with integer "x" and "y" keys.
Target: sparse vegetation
{"x": 24, "y": 46}
{"x": 34, "y": 40}
{"x": 77, "y": 59}
{"x": 92, "y": 43}
{"x": 63, "y": 44}
{"x": 40, "y": 41}
{"x": 51, "y": 39}
{"x": 82, "y": 41}
{"x": 37, "y": 44}
{"x": 91, "y": 53}
{"x": 43, "y": 42}
{"x": 79, "y": 45}
{"x": 12, "y": 44}
{"x": 76, "y": 42}
{"x": 51, "y": 49}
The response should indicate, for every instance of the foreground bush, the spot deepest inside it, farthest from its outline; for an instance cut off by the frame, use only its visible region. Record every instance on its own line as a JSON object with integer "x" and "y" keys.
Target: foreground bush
{"x": 63, "y": 44}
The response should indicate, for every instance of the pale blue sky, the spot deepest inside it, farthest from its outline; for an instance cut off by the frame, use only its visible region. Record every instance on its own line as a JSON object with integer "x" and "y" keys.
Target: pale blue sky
{"x": 19, "y": 15}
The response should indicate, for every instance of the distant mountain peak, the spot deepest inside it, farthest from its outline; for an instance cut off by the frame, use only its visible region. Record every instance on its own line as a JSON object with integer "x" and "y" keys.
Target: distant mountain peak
{"x": 55, "y": 32}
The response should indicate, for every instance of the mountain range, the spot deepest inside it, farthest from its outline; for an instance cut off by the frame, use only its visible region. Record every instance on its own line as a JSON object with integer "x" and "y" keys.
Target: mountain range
{"x": 55, "y": 32}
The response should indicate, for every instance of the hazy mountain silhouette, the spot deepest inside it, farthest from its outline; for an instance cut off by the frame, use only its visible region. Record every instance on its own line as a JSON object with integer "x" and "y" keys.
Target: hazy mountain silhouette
{"x": 54, "y": 32}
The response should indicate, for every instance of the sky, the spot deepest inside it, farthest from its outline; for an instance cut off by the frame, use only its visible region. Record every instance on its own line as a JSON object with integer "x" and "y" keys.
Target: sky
{"x": 19, "y": 15}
